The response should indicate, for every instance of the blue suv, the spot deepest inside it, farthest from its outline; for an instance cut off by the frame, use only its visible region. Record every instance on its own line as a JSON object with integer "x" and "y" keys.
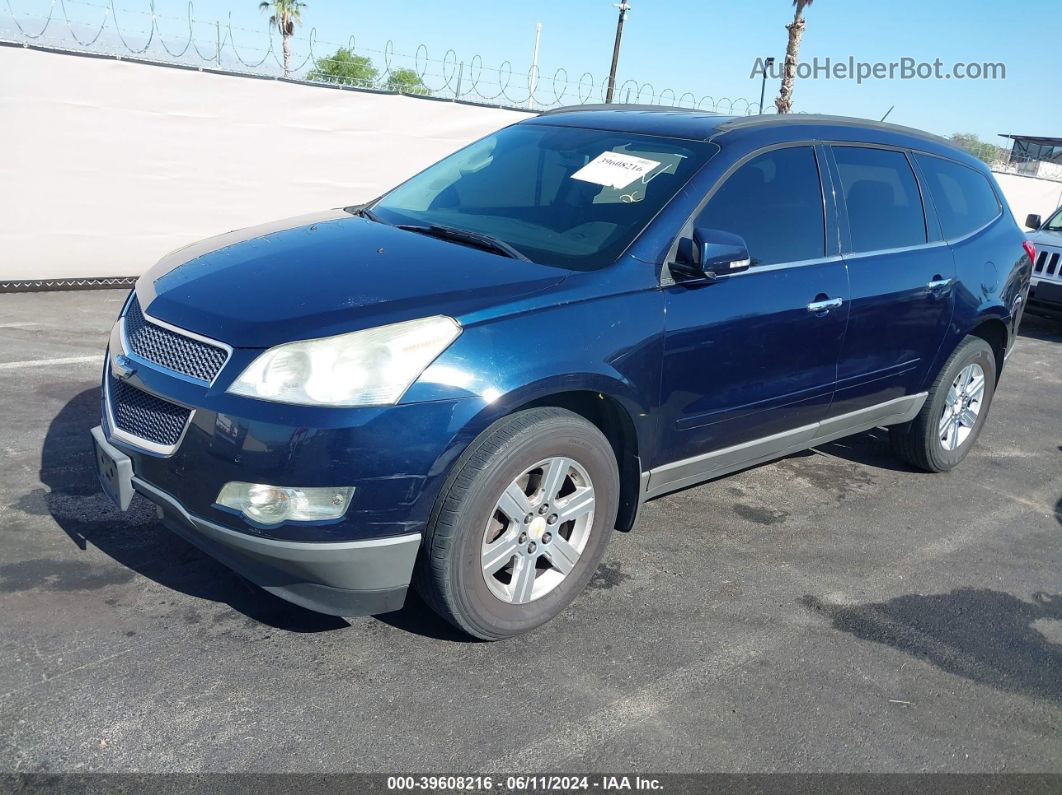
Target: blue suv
{"x": 468, "y": 383}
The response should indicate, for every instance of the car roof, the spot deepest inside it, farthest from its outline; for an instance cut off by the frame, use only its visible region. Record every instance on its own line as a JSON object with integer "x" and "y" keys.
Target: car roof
{"x": 693, "y": 125}
{"x": 697, "y": 125}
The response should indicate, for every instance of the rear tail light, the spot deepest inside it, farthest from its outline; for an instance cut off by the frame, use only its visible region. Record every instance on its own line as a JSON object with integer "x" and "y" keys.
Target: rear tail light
{"x": 1030, "y": 249}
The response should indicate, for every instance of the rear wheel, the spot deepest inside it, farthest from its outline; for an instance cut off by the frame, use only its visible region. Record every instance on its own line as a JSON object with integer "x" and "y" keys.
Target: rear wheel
{"x": 521, "y": 523}
{"x": 954, "y": 412}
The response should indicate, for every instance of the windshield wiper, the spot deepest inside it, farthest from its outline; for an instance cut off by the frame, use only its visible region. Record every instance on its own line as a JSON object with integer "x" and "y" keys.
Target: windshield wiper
{"x": 365, "y": 212}
{"x": 477, "y": 239}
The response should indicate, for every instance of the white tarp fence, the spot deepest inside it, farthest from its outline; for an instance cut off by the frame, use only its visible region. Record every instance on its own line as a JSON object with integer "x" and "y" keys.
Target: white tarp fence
{"x": 1030, "y": 195}
{"x": 106, "y": 165}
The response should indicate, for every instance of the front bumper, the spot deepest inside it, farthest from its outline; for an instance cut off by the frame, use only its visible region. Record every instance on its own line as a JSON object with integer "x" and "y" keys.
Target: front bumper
{"x": 395, "y": 457}
{"x": 348, "y": 578}
{"x": 1046, "y": 295}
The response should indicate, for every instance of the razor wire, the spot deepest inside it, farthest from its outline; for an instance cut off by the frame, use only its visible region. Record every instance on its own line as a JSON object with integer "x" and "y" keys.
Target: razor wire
{"x": 221, "y": 45}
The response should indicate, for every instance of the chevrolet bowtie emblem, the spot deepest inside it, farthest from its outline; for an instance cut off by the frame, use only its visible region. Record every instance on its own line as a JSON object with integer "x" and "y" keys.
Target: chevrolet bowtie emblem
{"x": 122, "y": 367}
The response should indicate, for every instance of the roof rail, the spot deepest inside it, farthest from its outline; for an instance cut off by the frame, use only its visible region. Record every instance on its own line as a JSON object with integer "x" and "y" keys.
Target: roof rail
{"x": 732, "y": 122}
{"x": 621, "y": 106}
{"x": 742, "y": 122}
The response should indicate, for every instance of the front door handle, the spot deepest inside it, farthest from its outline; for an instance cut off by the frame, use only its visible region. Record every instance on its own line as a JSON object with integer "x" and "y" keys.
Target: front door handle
{"x": 822, "y": 307}
{"x": 938, "y": 284}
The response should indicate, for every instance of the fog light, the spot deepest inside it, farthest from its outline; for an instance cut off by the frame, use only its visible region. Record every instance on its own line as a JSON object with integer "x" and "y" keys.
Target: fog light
{"x": 275, "y": 504}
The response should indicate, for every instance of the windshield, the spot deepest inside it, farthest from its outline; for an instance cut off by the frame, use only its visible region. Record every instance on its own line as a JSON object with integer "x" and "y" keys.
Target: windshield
{"x": 1054, "y": 223}
{"x": 558, "y": 195}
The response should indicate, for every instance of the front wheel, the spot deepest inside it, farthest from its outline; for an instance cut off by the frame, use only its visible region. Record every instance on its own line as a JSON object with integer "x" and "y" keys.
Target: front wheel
{"x": 521, "y": 523}
{"x": 954, "y": 412}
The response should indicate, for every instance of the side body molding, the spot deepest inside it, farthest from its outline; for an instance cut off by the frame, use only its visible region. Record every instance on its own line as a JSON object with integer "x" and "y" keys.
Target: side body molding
{"x": 690, "y": 471}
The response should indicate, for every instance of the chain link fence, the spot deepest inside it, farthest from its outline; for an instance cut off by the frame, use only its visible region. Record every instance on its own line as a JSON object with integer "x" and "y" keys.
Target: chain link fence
{"x": 144, "y": 35}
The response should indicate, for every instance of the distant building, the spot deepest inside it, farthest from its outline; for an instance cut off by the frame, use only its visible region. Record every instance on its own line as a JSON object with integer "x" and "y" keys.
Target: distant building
{"x": 1036, "y": 156}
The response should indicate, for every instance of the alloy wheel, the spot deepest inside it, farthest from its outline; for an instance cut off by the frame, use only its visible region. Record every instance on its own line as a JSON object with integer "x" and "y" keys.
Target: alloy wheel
{"x": 961, "y": 407}
{"x": 538, "y": 530}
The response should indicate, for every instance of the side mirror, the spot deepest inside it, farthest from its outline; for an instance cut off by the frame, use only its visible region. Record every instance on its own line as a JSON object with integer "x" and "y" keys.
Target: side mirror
{"x": 1032, "y": 221}
{"x": 710, "y": 255}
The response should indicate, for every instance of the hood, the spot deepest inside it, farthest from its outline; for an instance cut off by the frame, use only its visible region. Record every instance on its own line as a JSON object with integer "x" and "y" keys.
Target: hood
{"x": 1044, "y": 238}
{"x": 325, "y": 274}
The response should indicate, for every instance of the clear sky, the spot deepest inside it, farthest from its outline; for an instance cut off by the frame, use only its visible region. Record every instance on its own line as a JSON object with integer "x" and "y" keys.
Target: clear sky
{"x": 708, "y": 47}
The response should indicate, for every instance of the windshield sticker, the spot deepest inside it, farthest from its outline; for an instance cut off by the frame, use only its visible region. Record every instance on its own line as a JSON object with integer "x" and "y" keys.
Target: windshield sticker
{"x": 615, "y": 169}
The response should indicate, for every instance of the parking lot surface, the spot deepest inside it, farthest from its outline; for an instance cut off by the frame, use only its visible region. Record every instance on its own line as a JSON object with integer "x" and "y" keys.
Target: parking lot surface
{"x": 832, "y": 611}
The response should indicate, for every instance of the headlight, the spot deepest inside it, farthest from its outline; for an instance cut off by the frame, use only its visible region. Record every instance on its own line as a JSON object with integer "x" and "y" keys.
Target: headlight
{"x": 366, "y": 368}
{"x": 275, "y": 504}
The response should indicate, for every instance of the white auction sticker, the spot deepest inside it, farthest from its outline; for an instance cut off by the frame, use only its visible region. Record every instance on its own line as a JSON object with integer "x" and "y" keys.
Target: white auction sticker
{"x": 615, "y": 169}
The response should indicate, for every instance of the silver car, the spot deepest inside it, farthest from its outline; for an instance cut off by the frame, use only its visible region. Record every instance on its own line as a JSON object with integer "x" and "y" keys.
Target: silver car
{"x": 1046, "y": 291}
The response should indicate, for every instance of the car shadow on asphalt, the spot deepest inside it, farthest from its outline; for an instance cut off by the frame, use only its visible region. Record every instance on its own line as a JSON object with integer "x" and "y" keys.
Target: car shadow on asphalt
{"x": 417, "y": 618}
{"x": 1040, "y": 327}
{"x": 870, "y": 448}
{"x": 139, "y": 542}
{"x": 986, "y": 636}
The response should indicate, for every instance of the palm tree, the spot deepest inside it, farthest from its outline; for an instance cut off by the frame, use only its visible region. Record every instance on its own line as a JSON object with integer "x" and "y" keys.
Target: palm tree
{"x": 286, "y": 15}
{"x": 784, "y": 103}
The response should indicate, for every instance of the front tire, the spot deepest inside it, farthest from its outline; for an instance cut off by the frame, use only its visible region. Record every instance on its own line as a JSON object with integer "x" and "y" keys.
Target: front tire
{"x": 521, "y": 524}
{"x": 945, "y": 430}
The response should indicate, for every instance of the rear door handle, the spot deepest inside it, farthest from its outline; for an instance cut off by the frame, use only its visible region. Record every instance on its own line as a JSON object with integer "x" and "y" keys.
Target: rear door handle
{"x": 938, "y": 284}
{"x": 821, "y": 307}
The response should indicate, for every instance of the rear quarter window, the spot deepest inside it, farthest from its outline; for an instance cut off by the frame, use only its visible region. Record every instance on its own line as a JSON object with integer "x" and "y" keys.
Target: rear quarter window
{"x": 963, "y": 198}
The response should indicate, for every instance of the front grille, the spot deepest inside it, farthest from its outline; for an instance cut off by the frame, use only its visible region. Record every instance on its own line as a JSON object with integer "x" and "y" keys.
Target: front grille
{"x": 146, "y": 416}
{"x": 169, "y": 349}
{"x": 1047, "y": 263}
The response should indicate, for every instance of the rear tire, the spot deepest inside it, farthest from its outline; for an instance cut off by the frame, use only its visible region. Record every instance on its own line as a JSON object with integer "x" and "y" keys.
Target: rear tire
{"x": 495, "y": 573}
{"x": 945, "y": 430}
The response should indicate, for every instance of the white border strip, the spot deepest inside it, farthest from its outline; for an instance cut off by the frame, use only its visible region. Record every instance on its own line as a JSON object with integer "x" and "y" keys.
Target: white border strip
{"x": 97, "y": 359}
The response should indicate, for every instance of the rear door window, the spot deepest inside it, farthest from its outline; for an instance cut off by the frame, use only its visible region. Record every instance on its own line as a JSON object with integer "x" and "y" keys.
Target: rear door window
{"x": 963, "y": 198}
{"x": 881, "y": 193}
{"x": 774, "y": 201}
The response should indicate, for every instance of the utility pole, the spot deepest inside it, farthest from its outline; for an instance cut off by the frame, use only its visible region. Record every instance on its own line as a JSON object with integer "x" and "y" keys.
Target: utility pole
{"x": 767, "y": 64}
{"x": 532, "y": 77}
{"x": 623, "y": 7}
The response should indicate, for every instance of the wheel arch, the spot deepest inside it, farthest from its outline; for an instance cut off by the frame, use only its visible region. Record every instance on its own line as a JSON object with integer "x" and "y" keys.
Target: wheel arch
{"x": 992, "y": 323}
{"x": 610, "y": 417}
{"x": 995, "y": 332}
{"x": 612, "y": 406}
